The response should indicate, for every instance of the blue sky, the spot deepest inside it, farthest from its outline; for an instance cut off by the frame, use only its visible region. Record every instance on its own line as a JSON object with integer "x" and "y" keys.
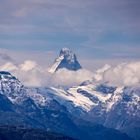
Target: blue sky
{"x": 95, "y": 29}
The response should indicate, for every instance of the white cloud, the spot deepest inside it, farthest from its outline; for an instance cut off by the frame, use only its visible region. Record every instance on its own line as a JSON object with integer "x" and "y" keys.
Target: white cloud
{"x": 125, "y": 74}
{"x": 28, "y": 65}
{"x": 31, "y": 74}
{"x": 99, "y": 73}
{"x": 71, "y": 78}
{"x": 8, "y": 67}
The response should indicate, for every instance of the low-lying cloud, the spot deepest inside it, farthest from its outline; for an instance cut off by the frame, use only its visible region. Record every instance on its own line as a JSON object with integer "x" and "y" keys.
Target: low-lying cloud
{"x": 71, "y": 78}
{"x": 33, "y": 75}
{"x": 125, "y": 74}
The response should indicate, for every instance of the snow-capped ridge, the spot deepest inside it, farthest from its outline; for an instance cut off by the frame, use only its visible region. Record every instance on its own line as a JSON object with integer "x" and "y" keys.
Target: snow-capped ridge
{"x": 11, "y": 87}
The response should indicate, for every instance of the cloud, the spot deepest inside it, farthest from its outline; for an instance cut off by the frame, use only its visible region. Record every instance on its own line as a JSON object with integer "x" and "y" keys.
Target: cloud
{"x": 29, "y": 73}
{"x": 8, "y": 67}
{"x": 125, "y": 74}
{"x": 28, "y": 65}
{"x": 99, "y": 73}
{"x": 33, "y": 75}
{"x": 71, "y": 78}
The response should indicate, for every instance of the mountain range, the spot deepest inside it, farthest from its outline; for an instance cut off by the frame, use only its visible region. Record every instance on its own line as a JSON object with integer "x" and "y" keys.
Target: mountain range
{"x": 91, "y": 110}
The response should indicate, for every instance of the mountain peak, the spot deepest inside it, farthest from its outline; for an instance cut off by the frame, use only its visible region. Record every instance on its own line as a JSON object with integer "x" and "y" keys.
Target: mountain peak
{"x": 66, "y": 59}
{"x": 68, "y": 55}
{"x": 64, "y": 50}
{"x": 11, "y": 87}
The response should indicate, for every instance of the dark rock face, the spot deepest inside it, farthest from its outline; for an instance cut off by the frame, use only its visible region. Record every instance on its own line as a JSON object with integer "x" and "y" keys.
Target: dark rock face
{"x": 67, "y": 59}
{"x": 5, "y": 72}
{"x": 70, "y": 61}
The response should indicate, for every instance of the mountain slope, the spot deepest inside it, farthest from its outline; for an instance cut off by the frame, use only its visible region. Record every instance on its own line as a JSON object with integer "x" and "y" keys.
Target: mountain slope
{"x": 19, "y": 133}
{"x": 11, "y": 87}
{"x": 113, "y": 107}
{"x": 54, "y": 109}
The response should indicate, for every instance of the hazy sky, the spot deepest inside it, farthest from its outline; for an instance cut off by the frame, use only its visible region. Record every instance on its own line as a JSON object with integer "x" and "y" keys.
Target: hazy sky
{"x": 95, "y": 29}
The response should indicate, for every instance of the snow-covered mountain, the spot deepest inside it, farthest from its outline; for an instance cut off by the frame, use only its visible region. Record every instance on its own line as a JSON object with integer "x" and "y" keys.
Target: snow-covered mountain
{"x": 63, "y": 109}
{"x": 93, "y": 102}
{"x": 66, "y": 59}
{"x": 113, "y": 107}
{"x": 11, "y": 87}
{"x": 54, "y": 109}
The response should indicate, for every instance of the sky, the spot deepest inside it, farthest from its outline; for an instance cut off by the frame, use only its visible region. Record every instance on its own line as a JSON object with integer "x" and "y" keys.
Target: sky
{"x": 98, "y": 31}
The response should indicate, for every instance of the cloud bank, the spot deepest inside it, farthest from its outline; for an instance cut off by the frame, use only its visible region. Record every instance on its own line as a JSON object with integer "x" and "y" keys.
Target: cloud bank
{"x": 71, "y": 78}
{"x": 33, "y": 75}
{"x": 125, "y": 74}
